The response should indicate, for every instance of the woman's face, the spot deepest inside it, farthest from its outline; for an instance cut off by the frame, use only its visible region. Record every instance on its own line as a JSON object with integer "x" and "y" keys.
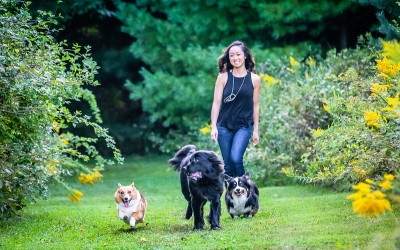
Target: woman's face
{"x": 236, "y": 56}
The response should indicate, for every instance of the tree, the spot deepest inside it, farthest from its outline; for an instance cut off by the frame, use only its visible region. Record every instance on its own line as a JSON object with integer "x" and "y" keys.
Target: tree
{"x": 179, "y": 42}
{"x": 39, "y": 79}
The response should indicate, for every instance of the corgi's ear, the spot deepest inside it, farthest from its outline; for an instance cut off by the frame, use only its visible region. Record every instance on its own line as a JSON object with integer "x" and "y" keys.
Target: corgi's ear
{"x": 247, "y": 175}
{"x": 133, "y": 184}
{"x": 119, "y": 185}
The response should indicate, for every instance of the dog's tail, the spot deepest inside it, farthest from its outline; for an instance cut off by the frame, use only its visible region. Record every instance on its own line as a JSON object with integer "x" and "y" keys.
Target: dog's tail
{"x": 183, "y": 153}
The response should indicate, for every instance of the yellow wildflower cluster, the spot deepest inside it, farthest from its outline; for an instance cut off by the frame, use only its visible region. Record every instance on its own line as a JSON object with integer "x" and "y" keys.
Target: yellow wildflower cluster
{"x": 326, "y": 108}
{"x": 294, "y": 64}
{"x": 75, "y": 196}
{"x": 269, "y": 80}
{"x": 206, "y": 129}
{"x": 368, "y": 200}
{"x": 389, "y": 66}
{"x": 379, "y": 89}
{"x": 372, "y": 118}
{"x": 318, "y": 132}
{"x": 393, "y": 106}
{"x": 90, "y": 178}
{"x": 311, "y": 62}
{"x": 56, "y": 127}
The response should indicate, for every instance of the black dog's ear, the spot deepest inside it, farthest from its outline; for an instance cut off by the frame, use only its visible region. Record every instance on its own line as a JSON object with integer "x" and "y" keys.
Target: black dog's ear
{"x": 180, "y": 155}
{"x": 216, "y": 161}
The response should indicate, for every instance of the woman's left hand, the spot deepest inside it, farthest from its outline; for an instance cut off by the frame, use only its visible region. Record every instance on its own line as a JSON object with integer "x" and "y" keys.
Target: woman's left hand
{"x": 256, "y": 138}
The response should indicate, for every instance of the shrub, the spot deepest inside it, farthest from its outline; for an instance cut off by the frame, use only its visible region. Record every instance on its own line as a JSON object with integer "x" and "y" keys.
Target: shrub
{"x": 39, "y": 78}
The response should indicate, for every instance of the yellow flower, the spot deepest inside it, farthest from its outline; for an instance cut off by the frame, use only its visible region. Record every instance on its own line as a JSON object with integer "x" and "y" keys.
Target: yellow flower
{"x": 310, "y": 62}
{"x": 294, "y": 65}
{"x": 369, "y": 181}
{"x": 269, "y": 80}
{"x": 372, "y": 118}
{"x": 386, "y": 185}
{"x": 391, "y": 49}
{"x": 369, "y": 203}
{"x": 56, "y": 127}
{"x": 318, "y": 132}
{"x": 387, "y": 67}
{"x": 378, "y": 89}
{"x": 90, "y": 178}
{"x": 75, "y": 196}
{"x": 206, "y": 130}
{"x": 326, "y": 108}
{"x": 362, "y": 187}
{"x": 388, "y": 177}
{"x": 51, "y": 170}
{"x": 393, "y": 103}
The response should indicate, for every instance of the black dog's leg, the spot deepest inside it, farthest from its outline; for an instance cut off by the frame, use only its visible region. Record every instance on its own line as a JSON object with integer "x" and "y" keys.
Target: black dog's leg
{"x": 215, "y": 213}
{"x": 186, "y": 193}
{"x": 197, "y": 205}
{"x": 189, "y": 210}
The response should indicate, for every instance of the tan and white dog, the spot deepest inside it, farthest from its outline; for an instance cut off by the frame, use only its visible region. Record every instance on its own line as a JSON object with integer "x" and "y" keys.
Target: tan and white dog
{"x": 131, "y": 204}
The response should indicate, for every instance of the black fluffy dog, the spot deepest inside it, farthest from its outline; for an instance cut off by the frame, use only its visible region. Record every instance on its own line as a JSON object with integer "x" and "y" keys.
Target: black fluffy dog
{"x": 241, "y": 196}
{"x": 202, "y": 180}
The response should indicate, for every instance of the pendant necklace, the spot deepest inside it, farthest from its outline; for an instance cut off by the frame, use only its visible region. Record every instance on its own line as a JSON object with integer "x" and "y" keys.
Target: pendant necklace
{"x": 232, "y": 96}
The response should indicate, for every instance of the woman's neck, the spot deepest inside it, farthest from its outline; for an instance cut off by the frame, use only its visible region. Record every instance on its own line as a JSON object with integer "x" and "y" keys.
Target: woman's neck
{"x": 239, "y": 72}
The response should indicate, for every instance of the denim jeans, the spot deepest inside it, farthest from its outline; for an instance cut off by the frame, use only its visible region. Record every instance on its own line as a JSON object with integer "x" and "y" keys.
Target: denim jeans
{"x": 233, "y": 145}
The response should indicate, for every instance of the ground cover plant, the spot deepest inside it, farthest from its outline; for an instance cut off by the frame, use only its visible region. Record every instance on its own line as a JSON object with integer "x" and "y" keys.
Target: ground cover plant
{"x": 290, "y": 217}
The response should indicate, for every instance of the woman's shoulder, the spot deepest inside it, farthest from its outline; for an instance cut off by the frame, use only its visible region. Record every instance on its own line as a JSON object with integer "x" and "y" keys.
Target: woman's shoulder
{"x": 222, "y": 77}
{"x": 256, "y": 79}
{"x": 254, "y": 76}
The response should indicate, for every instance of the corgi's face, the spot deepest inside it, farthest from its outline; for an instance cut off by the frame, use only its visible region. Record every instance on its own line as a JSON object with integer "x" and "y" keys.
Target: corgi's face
{"x": 125, "y": 194}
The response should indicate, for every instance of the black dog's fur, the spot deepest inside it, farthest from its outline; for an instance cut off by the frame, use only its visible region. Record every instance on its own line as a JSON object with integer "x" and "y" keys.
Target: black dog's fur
{"x": 241, "y": 196}
{"x": 202, "y": 180}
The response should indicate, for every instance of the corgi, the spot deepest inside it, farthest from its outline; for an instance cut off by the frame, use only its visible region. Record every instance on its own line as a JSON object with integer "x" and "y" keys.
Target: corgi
{"x": 241, "y": 196}
{"x": 131, "y": 204}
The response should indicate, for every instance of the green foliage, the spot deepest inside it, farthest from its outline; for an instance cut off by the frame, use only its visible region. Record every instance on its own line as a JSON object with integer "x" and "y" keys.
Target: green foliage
{"x": 323, "y": 121}
{"x": 38, "y": 80}
{"x": 179, "y": 43}
{"x": 292, "y": 108}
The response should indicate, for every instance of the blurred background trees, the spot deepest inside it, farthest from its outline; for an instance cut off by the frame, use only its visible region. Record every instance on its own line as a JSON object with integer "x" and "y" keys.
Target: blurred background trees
{"x": 158, "y": 67}
{"x": 158, "y": 58}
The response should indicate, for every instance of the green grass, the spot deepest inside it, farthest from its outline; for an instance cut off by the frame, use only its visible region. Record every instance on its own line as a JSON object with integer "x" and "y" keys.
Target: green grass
{"x": 291, "y": 217}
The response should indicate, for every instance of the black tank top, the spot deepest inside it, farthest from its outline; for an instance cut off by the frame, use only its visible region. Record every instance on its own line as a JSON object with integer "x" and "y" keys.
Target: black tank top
{"x": 239, "y": 112}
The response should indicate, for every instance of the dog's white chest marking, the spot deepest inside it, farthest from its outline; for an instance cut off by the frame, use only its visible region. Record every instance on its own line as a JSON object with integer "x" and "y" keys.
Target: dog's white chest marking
{"x": 127, "y": 211}
{"x": 239, "y": 206}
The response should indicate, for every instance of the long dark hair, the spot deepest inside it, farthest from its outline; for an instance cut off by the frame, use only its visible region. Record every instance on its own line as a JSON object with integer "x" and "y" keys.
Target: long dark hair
{"x": 225, "y": 65}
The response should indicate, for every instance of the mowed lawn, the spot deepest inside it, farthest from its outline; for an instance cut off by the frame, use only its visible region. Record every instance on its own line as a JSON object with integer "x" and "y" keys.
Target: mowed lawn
{"x": 290, "y": 217}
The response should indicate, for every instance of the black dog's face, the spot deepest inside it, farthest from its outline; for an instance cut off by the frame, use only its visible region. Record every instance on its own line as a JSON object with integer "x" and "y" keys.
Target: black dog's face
{"x": 203, "y": 164}
{"x": 238, "y": 186}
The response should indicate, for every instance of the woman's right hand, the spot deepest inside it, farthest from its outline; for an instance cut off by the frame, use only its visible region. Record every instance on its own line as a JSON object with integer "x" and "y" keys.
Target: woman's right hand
{"x": 214, "y": 134}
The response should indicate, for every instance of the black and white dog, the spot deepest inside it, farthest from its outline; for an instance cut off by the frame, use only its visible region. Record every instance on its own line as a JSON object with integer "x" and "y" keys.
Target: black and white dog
{"x": 241, "y": 196}
{"x": 202, "y": 180}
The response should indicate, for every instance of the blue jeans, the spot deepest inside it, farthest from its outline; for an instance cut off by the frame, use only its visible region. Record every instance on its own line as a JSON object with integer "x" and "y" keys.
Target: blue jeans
{"x": 233, "y": 145}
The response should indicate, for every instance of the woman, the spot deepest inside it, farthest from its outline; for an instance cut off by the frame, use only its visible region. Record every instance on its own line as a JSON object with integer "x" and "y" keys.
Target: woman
{"x": 235, "y": 109}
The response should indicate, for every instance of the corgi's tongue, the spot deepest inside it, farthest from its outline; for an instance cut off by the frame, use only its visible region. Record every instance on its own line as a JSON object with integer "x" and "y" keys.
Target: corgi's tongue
{"x": 126, "y": 203}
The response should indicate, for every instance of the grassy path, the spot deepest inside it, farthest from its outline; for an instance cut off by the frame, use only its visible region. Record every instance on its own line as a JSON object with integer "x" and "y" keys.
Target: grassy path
{"x": 293, "y": 217}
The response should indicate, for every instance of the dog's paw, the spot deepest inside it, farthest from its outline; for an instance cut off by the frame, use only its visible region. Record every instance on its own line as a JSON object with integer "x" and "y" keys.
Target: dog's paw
{"x": 198, "y": 227}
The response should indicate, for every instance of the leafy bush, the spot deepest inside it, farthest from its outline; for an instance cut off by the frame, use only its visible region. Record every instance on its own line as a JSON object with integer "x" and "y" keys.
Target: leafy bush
{"x": 292, "y": 107}
{"x": 38, "y": 80}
